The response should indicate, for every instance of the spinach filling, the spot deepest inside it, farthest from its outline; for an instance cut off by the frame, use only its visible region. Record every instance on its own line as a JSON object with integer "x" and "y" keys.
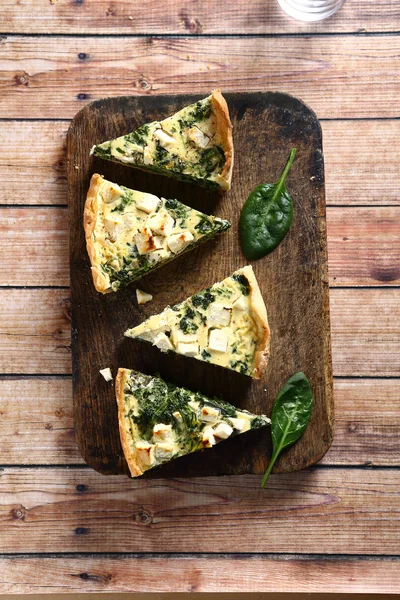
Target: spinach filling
{"x": 187, "y": 324}
{"x": 243, "y": 283}
{"x": 203, "y": 299}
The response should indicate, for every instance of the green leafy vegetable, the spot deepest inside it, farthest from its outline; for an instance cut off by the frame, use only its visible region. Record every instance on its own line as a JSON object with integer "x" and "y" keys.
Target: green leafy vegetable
{"x": 290, "y": 415}
{"x": 266, "y": 216}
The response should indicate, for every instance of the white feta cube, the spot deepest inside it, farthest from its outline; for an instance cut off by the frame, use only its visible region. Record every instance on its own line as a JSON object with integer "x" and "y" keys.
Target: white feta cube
{"x": 190, "y": 349}
{"x": 146, "y": 202}
{"x": 143, "y": 297}
{"x": 240, "y": 303}
{"x": 194, "y": 405}
{"x": 145, "y": 453}
{"x": 208, "y": 437}
{"x": 219, "y": 316}
{"x": 147, "y": 242}
{"x": 223, "y": 431}
{"x": 162, "y": 432}
{"x": 164, "y": 450}
{"x": 106, "y": 373}
{"x": 157, "y": 255}
{"x": 147, "y": 156}
{"x": 209, "y": 414}
{"x": 177, "y": 415}
{"x": 162, "y": 342}
{"x": 161, "y": 222}
{"x": 179, "y": 241}
{"x": 200, "y": 139}
{"x": 238, "y": 424}
{"x": 217, "y": 340}
{"x": 177, "y": 336}
{"x": 164, "y": 138}
{"x": 110, "y": 192}
{"x": 130, "y": 220}
{"x": 114, "y": 225}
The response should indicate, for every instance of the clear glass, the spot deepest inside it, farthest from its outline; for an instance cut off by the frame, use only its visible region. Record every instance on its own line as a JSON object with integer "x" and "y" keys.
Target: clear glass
{"x": 310, "y": 10}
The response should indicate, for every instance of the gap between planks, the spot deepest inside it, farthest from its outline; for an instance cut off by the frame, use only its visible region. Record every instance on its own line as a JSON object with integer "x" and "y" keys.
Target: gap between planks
{"x": 339, "y": 76}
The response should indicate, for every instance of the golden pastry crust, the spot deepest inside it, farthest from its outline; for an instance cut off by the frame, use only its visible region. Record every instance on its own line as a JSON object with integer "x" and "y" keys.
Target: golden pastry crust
{"x": 121, "y": 378}
{"x": 224, "y": 130}
{"x": 90, "y": 213}
{"x": 261, "y": 319}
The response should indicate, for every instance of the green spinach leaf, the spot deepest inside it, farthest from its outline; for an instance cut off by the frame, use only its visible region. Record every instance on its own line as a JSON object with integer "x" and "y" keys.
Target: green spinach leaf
{"x": 266, "y": 216}
{"x": 290, "y": 415}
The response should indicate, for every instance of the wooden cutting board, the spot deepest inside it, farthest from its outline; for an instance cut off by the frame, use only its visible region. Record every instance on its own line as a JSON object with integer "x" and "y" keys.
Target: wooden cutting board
{"x": 293, "y": 280}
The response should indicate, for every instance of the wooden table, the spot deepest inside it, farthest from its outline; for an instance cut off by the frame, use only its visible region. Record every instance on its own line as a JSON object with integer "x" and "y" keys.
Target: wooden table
{"x": 332, "y": 528}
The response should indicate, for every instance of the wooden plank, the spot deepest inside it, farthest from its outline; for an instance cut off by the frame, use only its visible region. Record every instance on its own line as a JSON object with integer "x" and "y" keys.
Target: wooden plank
{"x": 34, "y": 246}
{"x": 34, "y": 159}
{"x": 185, "y": 17}
{"x": 363, "y": 246}
{"x": 38, "y": 429}
{"x": 331, "y": 510}
{"x": 32, "y": 163}
{"x": 200, "y": 573}
{"x": 294, "y": 279}
{"x": 338, "y": 76}
{"x": 34, "y": 332}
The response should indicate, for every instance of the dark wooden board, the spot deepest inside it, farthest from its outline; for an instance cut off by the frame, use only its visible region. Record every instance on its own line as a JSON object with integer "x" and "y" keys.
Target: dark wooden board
{"x": 293, "y": 280}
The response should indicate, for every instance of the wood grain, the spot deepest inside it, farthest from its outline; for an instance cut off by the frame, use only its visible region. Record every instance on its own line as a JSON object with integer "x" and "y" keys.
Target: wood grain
{"x": 35, "y": 332}
{"x": 338, "y": 76}
{"x": 79, "y": 510}
{"x": 186, "y": 17}
{"x": 200, "y": 573}
{"x": 363, "y": 246}
{"x": 293, "y": 279}
{"x": 34, "y": 159}
{"x": 32, "y": 163}
{"x": 38, "y": 429}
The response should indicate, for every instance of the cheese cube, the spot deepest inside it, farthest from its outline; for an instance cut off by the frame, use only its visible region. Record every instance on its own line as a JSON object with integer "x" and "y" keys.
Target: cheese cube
{"x": 177, "y": 415}
{"x": 162, "y": 342}
{"x": 223, "y": 431}
{"x": 179, "y": 241}
{"x": 146, "y": 242}
{"x": 145, "y": 453}
{"x": 130, "y": 220}
{"x": 209, "y": 414}
{"x": 238, "y": 423}
{"x": 219, "y": 316}
{"x": 190, "y": 349}
{"x": 177, "y": 336}
{"x": 240, "y": 304}
{"x": 114, "y": 225}
{"x": 164, "y": 138}
{"x": 143, "y": 297}
{"x": 193, "y": 405}
{"x": 208, "y": 437}
{"x": 157, "y": 255}
{"x": 198, "y": 137}
{"x": 162, "y": 432}
{"x": 110, "y": 192}
{"x": 147, "y": 156}
{"x": 146, "y": 202}
{"x": 106, "y": 373}
{"x": 161, "y": 222}
{"x": 164, "y": 450}
{"x": 218, "y": 340}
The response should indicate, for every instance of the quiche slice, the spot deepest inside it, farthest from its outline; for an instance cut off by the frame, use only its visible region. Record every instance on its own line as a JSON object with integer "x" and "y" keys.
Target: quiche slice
{"x": 225, "y": 325}
{"x": 129, "y": 233}
{"x": 194, "y": 144}
{"x": 159, "y": 421}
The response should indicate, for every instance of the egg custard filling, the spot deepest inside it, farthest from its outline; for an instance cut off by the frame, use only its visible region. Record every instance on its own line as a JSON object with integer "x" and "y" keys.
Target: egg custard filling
{"x": 129, "y": 233}
{"x": 159, "y": 421}
{"x": 194, "y": 144}
{"x": 225, "y": 325}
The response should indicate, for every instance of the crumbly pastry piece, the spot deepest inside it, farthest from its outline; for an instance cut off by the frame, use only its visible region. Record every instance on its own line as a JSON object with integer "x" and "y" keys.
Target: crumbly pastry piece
{"x": 159, "y": 421}
{"x": 194, "y": 144}
{"x": 225, "y": 325}
{"x": 129, "y": 233}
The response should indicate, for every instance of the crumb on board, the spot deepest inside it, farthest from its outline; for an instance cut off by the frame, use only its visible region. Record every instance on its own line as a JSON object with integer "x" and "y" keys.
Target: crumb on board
{"x": 106, "y": 373}
{"x": 143, "y": 297}
{"x": 188, "y": 57}
{"x": 53, "y": 1}
{"x": 130, "y": 18}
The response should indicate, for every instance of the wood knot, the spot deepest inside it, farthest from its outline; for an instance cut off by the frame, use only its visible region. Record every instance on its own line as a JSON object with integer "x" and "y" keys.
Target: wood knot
{"x": 82, "y": 531}
{"x": 143, "y": 518}
{"x": 82, "y": 56}
{"x": 59, "y": 165}
{"x": 82, "y": 96}
{"x": 190, "y": 24}
{"x": 48, "y": 426}
{"x": 81, "y": 487}
{"x": 22, "y": 79}
{"x": 110, "y": 12}
{"x": 352, "y": 427}
{"x": 143, "y": 84}
{"x": 18, "y": 513}
{"x": 59, "y": 413}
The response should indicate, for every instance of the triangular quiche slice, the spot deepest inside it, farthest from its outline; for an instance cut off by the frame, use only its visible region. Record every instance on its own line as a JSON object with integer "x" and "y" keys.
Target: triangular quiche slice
{"x": 129, "y": 233}
{"x": 225, "y": 325}
{"x": 159, "y": 421}
{"x": 194, "y": 144}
